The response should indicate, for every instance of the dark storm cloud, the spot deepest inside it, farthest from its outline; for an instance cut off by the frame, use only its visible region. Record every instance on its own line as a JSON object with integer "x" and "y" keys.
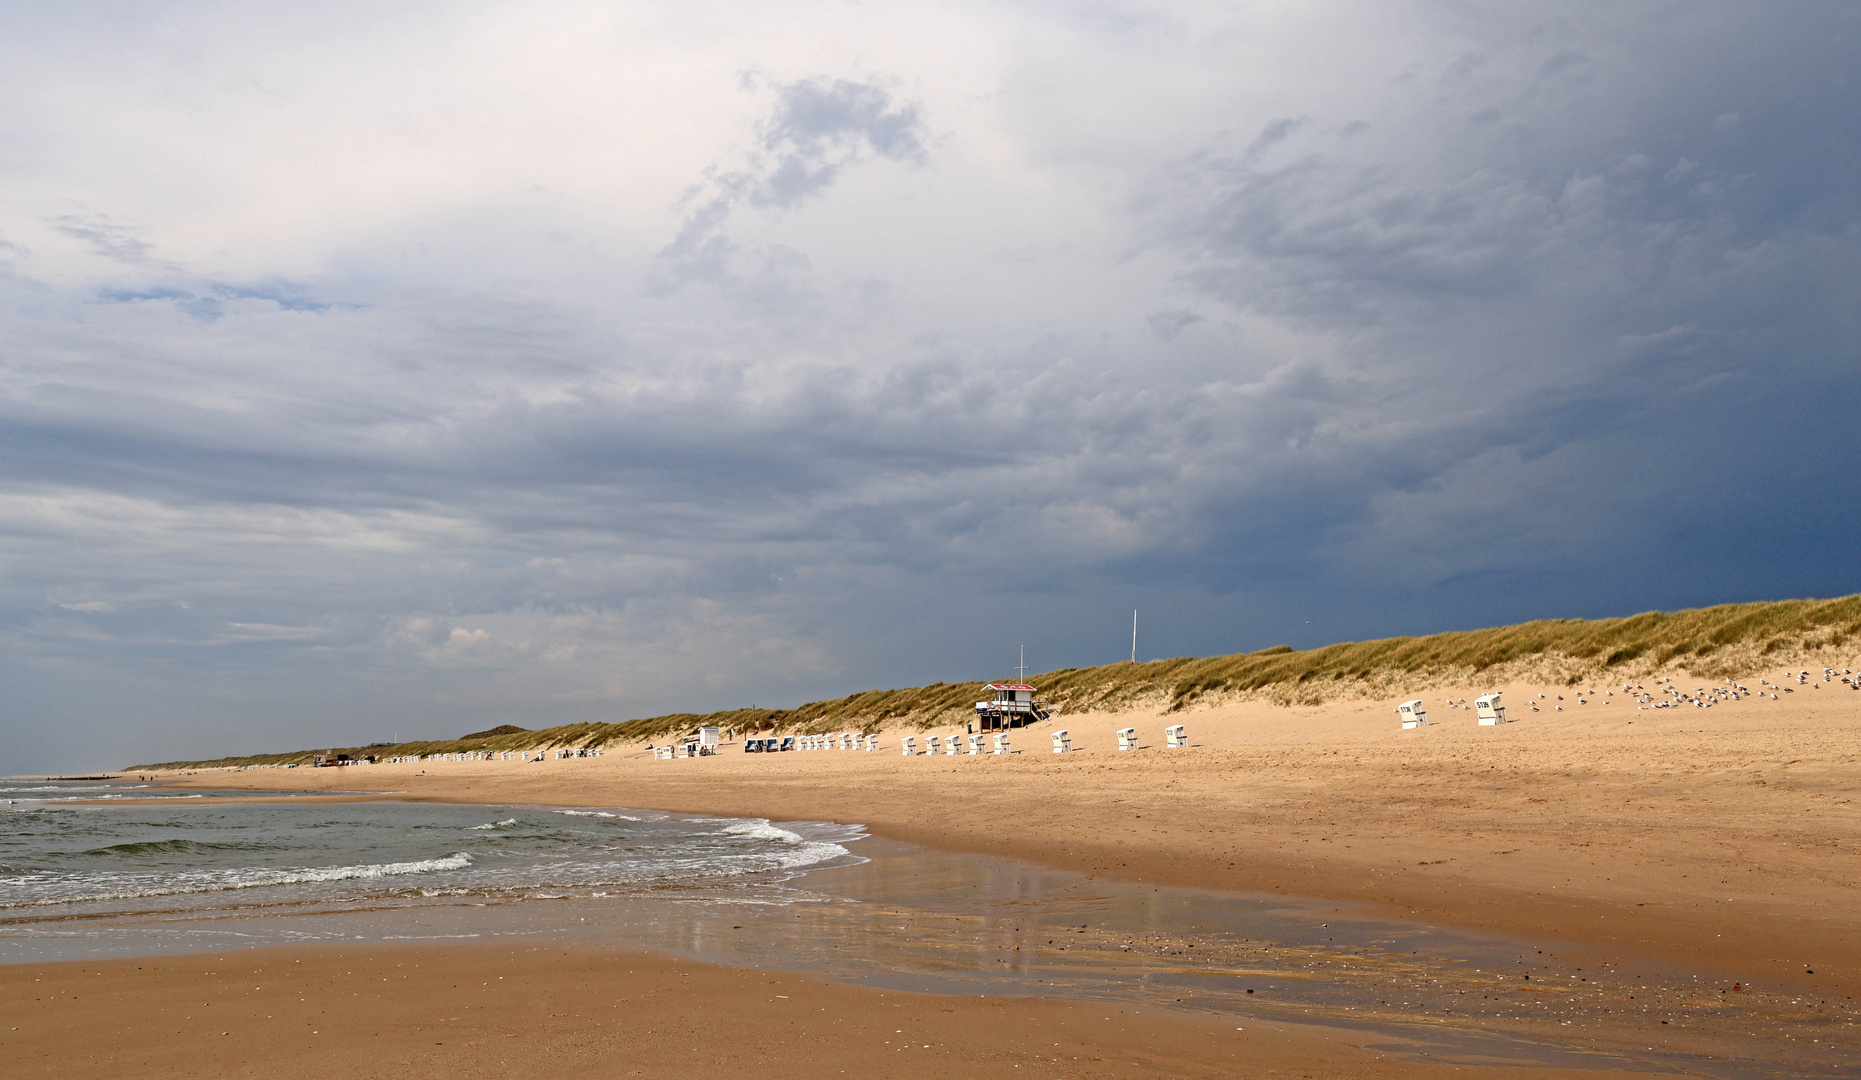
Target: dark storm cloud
{"x": 1592, "y": 269}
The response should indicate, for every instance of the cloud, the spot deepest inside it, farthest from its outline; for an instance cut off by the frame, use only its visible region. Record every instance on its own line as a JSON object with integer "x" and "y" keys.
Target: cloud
{"x": 1169, "y": 323}
{"x": 816, "y": 130}
{"x": 1294, "y": 334}
{"x": 1516, "y": 299}
{"x": 820, "y": 127}
{"x": 121, "y": 243}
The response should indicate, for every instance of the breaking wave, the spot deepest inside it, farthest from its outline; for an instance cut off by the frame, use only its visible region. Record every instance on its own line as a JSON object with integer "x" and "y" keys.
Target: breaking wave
{"x": 211, "y": 881}
{"x": 762, "y": 830}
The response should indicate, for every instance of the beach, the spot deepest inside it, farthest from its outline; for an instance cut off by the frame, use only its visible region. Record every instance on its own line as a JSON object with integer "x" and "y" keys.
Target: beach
{"x": 472, "y": 1011}
{"x": 1720, "y": 840}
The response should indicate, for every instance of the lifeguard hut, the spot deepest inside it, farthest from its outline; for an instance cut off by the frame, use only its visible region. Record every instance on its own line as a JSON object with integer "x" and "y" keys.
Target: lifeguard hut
{"x": 1013, "y": 706}
{"x": 1490, "y": 712}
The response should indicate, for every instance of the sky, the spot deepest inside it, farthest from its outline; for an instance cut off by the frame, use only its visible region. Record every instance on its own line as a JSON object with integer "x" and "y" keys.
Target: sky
{"x": 392, "y": 371}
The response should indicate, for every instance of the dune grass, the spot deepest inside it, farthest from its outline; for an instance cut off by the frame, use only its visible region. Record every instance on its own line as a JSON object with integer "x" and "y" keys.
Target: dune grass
{"x": 1727, "y": 641}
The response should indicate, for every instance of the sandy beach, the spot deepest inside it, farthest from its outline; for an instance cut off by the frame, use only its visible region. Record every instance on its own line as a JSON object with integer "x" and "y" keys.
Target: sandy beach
{"x": 474, "y": 1011}
{"x": 1719, "y": 839}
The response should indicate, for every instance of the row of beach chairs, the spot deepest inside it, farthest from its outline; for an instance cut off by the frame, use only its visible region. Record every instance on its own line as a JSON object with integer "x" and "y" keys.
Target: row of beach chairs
{"x": 1175, "y": 737}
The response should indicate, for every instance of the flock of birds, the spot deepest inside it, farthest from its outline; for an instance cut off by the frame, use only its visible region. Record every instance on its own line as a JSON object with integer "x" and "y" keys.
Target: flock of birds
{"x": 1701, "y": 698}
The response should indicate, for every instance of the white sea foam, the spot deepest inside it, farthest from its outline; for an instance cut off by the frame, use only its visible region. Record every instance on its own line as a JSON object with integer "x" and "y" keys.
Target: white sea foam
{"x": 762, "y": 830}
{"x": 491, "y": 825}
{"x": 797, "y": 851}
{"x": 103, "y": 798}
{"x": 599, "y": 813}
{"x": 9, "y": 790}
{"x": 211, "y": 881}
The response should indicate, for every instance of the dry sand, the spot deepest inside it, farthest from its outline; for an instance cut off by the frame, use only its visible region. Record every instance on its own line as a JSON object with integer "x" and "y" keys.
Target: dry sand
{"x": 1723, "y": 839}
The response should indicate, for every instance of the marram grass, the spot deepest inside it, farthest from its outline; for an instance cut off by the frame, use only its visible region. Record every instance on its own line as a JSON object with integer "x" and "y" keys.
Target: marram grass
{"x": 1730, "y": 640}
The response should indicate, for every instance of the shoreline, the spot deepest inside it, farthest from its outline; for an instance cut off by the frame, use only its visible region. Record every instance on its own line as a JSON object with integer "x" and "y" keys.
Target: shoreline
{"x": 1722, "y": 842}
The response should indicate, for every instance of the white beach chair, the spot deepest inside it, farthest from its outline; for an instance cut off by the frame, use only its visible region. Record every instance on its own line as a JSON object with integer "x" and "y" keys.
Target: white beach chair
{"x": 952, "y": 744}
{"x": 1127, "y": 738}
{"x": 1175, "y": 737}
{"x": 1412, "y": 713}
{"x": 1001, "y": 742}
{"x": 1062, "y": 741}
{"x": 975, "y": 743}
{"x": 908, "y": 745}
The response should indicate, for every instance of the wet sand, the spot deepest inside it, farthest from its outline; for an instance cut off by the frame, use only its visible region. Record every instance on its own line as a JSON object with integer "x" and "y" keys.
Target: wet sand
{"x": 551, "y": 1012}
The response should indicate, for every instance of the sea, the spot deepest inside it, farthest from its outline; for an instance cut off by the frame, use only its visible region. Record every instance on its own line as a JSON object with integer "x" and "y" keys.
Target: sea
{"x": 92, "y": 869}
{"x": 96, "y": 869}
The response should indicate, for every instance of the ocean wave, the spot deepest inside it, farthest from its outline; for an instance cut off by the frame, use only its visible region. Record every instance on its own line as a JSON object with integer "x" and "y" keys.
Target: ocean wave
{"x": 229, "y": 880}
{"x": 6, "y": 790}
{"x": 762, "y": 830}
{"x": 597, "y": 813}
{"x": 491, "y": 825}
{"x": 102, "y": 798}
{"x": 798, "y": 852}
{"x": 173, "y": 847}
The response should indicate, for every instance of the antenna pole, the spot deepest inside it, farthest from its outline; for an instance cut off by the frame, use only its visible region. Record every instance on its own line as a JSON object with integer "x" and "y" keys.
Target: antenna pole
{"x": 1133, "y": 635}
{"x": 1022, "y": 670}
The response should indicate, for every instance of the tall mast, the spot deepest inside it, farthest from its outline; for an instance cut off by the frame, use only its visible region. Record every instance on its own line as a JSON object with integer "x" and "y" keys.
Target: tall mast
{"x": 1133, "y": 635}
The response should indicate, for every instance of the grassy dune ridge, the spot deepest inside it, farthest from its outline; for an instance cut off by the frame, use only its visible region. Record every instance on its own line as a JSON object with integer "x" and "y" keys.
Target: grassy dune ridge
{"x": 1729, "y": 640}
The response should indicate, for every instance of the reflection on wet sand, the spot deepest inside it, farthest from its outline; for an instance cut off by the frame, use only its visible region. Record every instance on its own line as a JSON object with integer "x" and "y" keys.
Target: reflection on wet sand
{"x": 924, "y": 920}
